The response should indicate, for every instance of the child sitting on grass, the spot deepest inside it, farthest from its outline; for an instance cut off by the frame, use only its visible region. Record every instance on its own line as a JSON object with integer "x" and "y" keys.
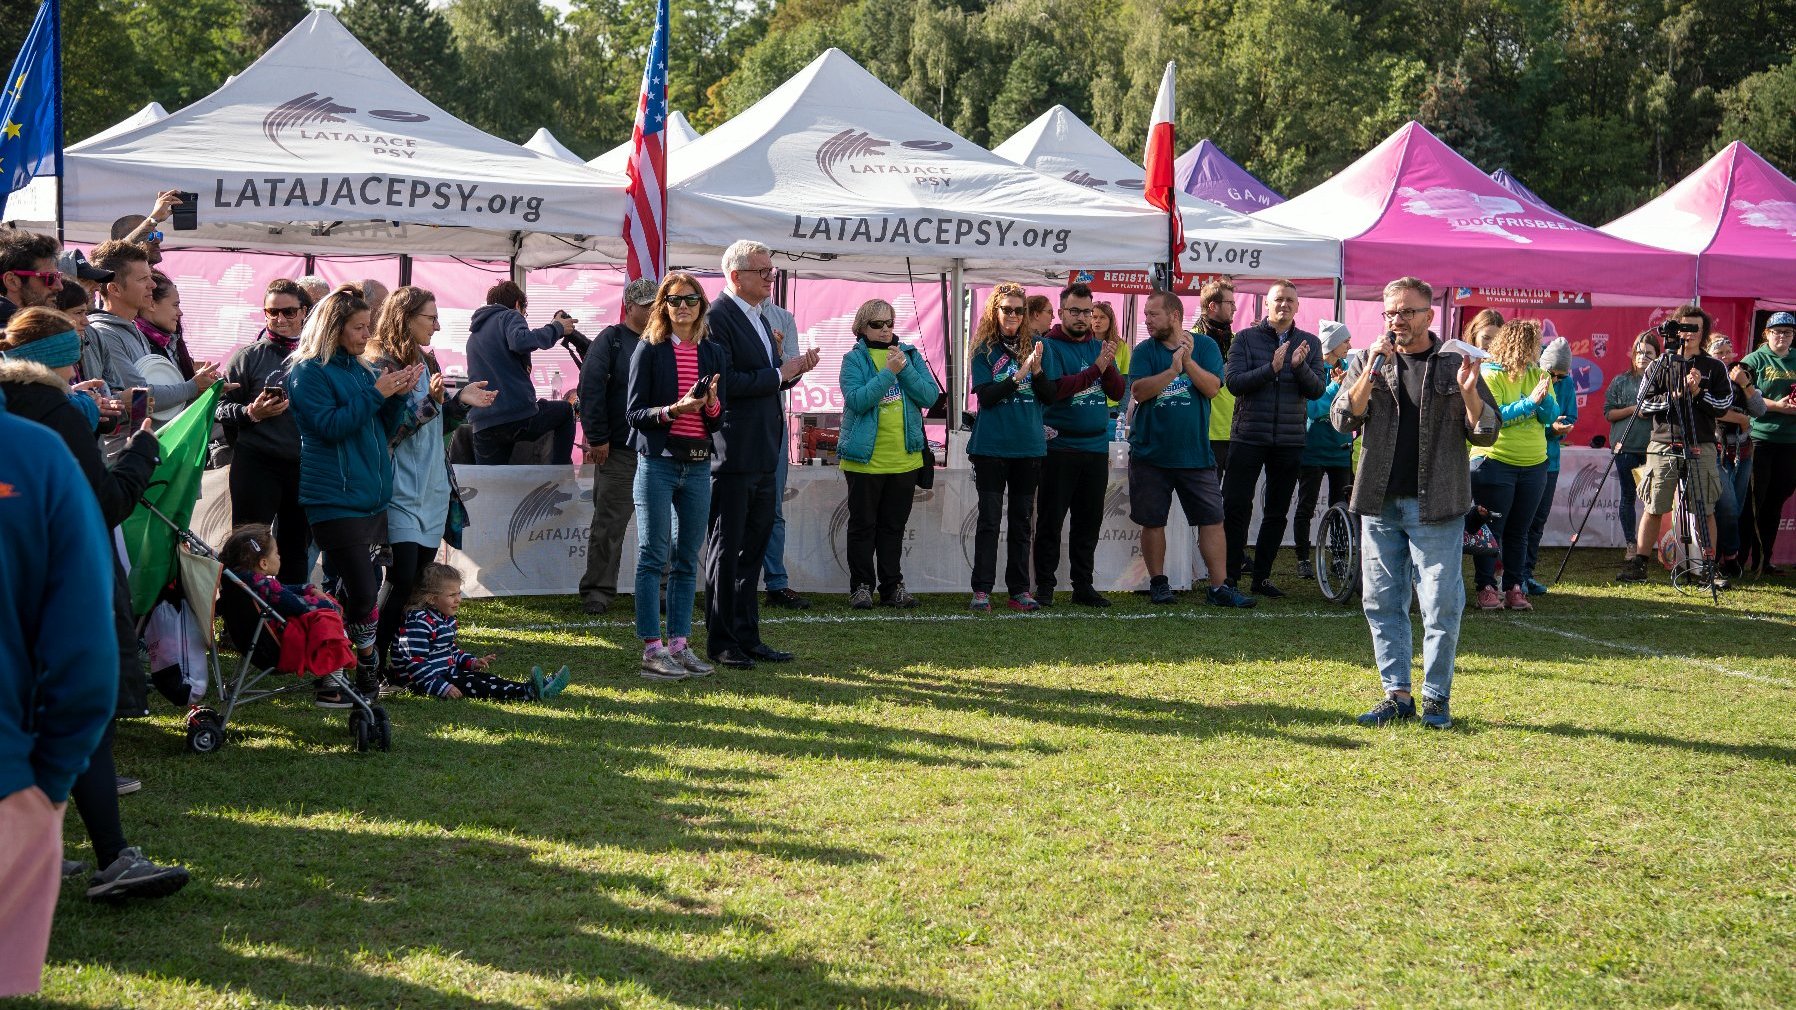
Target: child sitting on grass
{"x": 426, "y": 660}
{"x": 251, "y": 555}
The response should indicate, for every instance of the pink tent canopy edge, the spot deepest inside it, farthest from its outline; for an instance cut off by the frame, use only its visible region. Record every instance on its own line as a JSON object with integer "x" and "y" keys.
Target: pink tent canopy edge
{"x": 1736, "y": 214}
{"x": 1413, "y": 205}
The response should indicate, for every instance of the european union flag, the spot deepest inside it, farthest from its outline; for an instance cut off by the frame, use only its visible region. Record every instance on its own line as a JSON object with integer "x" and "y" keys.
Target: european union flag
{"x": 31, "y": 105}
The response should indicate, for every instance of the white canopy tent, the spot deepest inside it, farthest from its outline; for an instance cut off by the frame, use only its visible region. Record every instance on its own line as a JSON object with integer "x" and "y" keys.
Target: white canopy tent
{"x": 842, "y": 177}
{"x": 544, "y": 142}
{"x": 34, "y": 207}
{"x": 679, "y": 134}
{"x": 318, "y": 147}
{"x": 1217, "y": 240}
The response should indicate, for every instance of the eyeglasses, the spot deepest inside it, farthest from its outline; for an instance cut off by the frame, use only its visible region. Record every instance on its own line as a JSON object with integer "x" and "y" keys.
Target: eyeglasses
{"x": 1404, "y": 314}
{"x": 51, "y": 278}
{"x": 689, "y": 301}
{"x": 1010, "y": 310}
{"x": 765, "y": 273}
{"x": 1077, "y": 312}
{"x": 879, "y": 324}
{"x": 287, "y": 312}
{"x": 432, "y": 316}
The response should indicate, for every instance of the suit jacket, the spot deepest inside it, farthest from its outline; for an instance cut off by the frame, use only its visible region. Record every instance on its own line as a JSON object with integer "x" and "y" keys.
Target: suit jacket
{"x": 749, "y": 440}
{"x": 655, "y": 383}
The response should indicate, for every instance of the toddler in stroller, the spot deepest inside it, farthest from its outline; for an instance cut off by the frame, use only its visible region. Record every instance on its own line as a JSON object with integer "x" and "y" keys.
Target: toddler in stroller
{"x": 425, "y": 657}
{"x": 251, "y": 555}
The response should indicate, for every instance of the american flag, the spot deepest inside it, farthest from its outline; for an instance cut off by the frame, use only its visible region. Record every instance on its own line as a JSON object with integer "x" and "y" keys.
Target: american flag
{"x": 645, "y": 212}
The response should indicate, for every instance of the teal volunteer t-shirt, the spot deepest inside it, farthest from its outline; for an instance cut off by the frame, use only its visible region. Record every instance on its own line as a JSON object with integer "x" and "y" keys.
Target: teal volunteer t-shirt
{"x": 1172, "y": 430}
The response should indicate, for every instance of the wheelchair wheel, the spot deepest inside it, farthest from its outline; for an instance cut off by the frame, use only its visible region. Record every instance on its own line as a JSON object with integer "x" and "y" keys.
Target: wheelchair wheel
{"x": 361, "y": 731}
{"x": 205, "y": 734}
{"x": 1337, "y": 556}
{"x": 383, "y": 729}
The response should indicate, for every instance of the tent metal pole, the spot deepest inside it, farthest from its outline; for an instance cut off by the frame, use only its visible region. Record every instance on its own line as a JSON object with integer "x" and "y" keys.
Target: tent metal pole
{"x": 955, "y": 310}
{"x": 405, "y": 270}
{"x": 1340, "y": 301}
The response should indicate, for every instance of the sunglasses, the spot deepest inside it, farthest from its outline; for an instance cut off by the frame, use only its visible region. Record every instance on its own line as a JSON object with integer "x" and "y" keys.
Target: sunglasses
{"x": 1010, "y": 310}
{"x": 154, "y": 236}
{"x": 879, "y": 324}
{"x": 290, "y": 312}
{"x": 690, "y": 301}
{"x": 51, "y": 278}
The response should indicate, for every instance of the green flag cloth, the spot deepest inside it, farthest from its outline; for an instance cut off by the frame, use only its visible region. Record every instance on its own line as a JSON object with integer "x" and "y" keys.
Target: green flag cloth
{"x": 174, "y": 488}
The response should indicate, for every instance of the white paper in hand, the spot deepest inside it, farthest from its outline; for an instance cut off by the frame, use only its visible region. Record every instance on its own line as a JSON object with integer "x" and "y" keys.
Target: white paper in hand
{"x": 1459, "y": 346}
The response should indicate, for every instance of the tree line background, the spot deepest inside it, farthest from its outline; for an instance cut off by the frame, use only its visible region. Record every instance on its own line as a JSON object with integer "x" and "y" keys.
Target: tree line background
{"x": 1597, "y": 105}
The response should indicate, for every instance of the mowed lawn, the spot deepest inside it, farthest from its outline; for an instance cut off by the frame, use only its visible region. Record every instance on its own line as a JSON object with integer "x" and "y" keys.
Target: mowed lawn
{"x": 1136, "y": 808}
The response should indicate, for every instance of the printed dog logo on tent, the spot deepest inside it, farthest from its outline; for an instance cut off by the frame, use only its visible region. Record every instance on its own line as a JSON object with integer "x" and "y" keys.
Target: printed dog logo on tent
{"x": 310, "y": 110}
{"x": 853, "y": 152}
{"x": 1463, "y": 210}
{"x": 543, "y": 503}
{"x": 1777, "y": 215}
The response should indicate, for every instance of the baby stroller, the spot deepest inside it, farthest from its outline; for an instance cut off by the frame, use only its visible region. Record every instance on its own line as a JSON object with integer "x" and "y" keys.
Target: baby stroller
{"x": 256, "y": 632}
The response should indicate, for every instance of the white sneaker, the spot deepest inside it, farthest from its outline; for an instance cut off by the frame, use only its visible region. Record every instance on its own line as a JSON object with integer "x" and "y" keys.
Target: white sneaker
{"x": 694, "y": 666}
{"x": 661, "y": 665}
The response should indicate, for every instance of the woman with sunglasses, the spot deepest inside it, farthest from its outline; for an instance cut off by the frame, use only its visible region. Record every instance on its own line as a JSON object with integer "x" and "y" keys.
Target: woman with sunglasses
{"x": 672, "y": 407}
{"x": 1007, "y": 444}
{"x": 263, "y": 438}
{"x": 885, "y": 389}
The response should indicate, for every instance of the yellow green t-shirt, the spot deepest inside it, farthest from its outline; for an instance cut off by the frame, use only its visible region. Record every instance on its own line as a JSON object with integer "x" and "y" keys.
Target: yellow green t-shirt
{"x": 1222, "y": 414}
{"x": 1519, "y": 443}
{"x": 889, "y": 455}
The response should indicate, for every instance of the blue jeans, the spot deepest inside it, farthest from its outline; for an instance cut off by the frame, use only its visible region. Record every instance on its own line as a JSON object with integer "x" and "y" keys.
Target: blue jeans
{"x": 1625, "y": 465}
{"x": 1736, "y": 491}
{"x": 1513, "y": 491}
{"x": 774, "y": 564}
{"x": 1392, "y": 545}
{"x": 673, "y": 503}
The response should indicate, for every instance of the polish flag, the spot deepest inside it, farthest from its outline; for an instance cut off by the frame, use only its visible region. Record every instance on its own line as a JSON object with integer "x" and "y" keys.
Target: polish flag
{"x": 1161, "y": 152}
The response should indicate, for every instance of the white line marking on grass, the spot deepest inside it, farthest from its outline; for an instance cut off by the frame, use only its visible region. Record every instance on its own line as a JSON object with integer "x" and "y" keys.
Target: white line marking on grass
{"x": 1096, "y": 615}
{"x": 1643, "y": 650}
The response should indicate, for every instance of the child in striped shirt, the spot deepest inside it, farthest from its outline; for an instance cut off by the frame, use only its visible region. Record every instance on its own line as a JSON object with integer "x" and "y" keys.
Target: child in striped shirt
{"x": 426, "y": 660}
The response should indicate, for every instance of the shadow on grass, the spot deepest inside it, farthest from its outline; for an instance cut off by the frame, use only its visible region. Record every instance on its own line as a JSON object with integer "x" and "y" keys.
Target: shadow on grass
{"x": 334, "y": 920}
{"x": 1749, "y": 751}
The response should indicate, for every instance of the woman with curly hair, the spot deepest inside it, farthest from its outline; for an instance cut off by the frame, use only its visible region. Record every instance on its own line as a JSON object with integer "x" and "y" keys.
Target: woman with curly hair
{"x": 1510, "y": 476}
{"x": 1007, "y": 444}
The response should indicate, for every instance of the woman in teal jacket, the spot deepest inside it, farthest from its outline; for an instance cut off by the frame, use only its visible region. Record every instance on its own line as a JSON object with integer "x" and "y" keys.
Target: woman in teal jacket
{"x": 1556, "y": 361}
{"x": 346, "y": 416}
{"x": 885, "y": 388}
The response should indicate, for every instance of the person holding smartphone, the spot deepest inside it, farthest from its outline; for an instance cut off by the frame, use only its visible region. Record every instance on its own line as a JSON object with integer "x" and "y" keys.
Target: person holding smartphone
{"x": 264, "y": 440}
{"x": 672, "y": 406}
{"x": 1556, "y": 361}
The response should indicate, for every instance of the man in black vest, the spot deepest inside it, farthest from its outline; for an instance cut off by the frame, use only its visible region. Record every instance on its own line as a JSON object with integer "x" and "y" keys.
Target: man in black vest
{"x": 745, "y": 453}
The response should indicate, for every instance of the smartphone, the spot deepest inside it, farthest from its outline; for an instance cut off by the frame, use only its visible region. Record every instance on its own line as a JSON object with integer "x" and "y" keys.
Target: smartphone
{"x": 699, "y": 388}
{"x": 277, "y": 392}
{"x": 185, "y": 216}
{"x": 140, "y": 406}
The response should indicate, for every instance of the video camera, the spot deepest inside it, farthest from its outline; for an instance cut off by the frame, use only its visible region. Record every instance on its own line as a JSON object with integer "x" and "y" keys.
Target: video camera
{"x": 1672, "y": 332}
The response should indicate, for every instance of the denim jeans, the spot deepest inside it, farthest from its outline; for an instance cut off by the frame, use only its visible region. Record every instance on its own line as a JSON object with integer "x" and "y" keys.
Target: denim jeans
{"x": 1513, "y": 491}
{"x": 1625, "y": 465}
{"x": 1392, "y": 545}
{"x": 1736, "y": 492}
{"x": 774, "y": 564}
{"x": 673, "y": 503}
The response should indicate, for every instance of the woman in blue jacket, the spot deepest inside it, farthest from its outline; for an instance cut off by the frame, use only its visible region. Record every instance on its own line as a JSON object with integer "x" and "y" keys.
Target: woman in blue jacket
{"x": 346, "y": 416}
{"x": 885, "y": 388}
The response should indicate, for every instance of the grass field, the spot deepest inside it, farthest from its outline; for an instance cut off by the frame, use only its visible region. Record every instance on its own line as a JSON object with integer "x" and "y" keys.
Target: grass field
{"x": 1136, "y": 808}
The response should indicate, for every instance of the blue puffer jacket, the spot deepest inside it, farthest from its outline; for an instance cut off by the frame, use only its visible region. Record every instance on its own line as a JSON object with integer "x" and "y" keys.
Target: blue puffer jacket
{"x": 345, "y": 467}
{"x": 864, "y": 386}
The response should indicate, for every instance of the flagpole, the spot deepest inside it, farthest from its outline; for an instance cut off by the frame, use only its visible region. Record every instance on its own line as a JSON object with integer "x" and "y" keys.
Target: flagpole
{"x": 56, "y": 90}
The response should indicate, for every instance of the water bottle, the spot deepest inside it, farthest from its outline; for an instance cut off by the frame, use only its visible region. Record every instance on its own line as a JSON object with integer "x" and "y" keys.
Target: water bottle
{"x": 555, "y": 381}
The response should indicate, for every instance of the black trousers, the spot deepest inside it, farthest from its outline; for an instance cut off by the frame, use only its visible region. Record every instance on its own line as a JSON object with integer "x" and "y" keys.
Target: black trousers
{"x": 493, "y": 444}
{"x": 1072, "y": 482}
{"x": 1280, "y": 463}
{"x": 878, "y": 510}
{"x": 265, "y": 489}
{"x": 735, "y": 546}
{"x": 1000, "y": 481}
{"x": 1309, "y": 488}
{"x": 96, "y": 799}
{"x": 1773, "y": 481}
{"x": 409, "y": 560}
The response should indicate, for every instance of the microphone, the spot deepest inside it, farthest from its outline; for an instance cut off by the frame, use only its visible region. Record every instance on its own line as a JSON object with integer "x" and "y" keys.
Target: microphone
{"x": 1378, "y": 359}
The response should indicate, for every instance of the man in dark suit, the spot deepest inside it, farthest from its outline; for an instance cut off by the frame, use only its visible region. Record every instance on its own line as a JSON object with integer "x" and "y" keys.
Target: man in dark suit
{"x": 745, "y": 453}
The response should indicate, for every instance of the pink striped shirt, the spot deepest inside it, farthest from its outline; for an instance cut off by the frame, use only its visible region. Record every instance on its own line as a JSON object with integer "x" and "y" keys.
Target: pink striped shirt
{"x": 686, "y": 367}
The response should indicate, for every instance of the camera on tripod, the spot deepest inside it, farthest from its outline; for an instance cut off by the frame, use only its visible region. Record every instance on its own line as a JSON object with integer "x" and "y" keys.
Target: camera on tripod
{"x": 1672, "y": 332}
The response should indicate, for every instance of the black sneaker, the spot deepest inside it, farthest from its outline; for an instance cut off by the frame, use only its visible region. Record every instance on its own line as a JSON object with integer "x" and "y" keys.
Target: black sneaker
{"x": 1159, "y": 590}
{"x": 1044, "y": 598}
{"x": 1226, "y": 595}
{"x": 1264, "y": 587}
{"x": 1633, "y": 569}
{"x": 332, "y": 699}
{"x": 1089, "y": 597}
{"x": 1390, "y": 709}
{"x": 1306, "y": 570}
{"x": 133, "y": 876}
{"x": 128, "y": 785}
{"x": 788, "y": 598}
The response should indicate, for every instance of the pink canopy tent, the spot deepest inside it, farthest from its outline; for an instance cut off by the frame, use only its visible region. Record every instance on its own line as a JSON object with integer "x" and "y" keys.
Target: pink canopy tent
{"x": 1208, "y": 174}
{"x": 1412, "y": 205}
{"x": 1737, "y": 215}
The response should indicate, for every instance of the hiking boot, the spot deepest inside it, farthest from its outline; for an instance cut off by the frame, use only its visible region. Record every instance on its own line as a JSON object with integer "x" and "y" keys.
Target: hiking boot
{"x": 1226, "y": 595}
{"x": 1159, "y": 590}
{"x": 1264, "y": 587}
{"x": 901, "y": 598}
{"x": 1533, "y": 587}
{"x": 1306, "y": 570}
{"x": 1517, "y": 599}
{"x": 1389, "y": 710}
{"x": 661, "y": 665}
{"x": 1633, "y": 569}
{"x": 128, "y": 785}
{"x": 133, "y": 876}
{"x": 982, "y": 602}
{"x": 1044, "y": 599}
{"x": 861, "y": 598}
{"x": 1434, "y": 714}
{"x": 1489, "y": 598}
{"x": 1086, "y": 596}
{"x": 694, "y": 666}
{"x": 1024, "y": 603}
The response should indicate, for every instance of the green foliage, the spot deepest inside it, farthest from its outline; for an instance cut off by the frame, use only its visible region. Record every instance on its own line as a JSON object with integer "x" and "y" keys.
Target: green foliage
{"x": 1761, "y": 110}
{"x": 513, "y": 48}
{"x": 263, "y": 22}
{"x": 415, "y": 42}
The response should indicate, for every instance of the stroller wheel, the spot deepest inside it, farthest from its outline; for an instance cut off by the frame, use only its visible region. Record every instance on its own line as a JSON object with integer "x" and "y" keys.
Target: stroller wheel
{"x": 383, "y": 729}
{"x": 204, "y": 736}
{"x": 360, "y": 730}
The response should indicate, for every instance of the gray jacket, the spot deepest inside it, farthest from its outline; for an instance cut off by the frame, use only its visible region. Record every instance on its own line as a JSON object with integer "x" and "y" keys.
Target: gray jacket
{"x": 1444, "y": 475}
{"x": 121, "y": 347}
